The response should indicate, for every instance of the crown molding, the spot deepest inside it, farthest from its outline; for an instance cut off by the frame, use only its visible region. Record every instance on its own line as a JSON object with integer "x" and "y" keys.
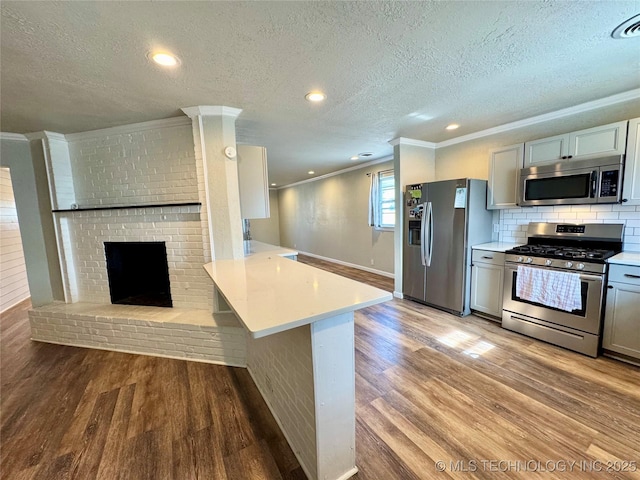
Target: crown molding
{"x": 55, "y": 136}
{"x": 546, "y": 117}
{"x": 131, "y": 128}
{"x": 339, "y": 172}
{"x": 211, "y": 110}
{"x": 412, "y": 142}
{"x": 13, "y": 136}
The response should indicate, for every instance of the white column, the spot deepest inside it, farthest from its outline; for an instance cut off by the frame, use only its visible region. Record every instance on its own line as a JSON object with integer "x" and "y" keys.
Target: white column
{"x": 213, "y": 131}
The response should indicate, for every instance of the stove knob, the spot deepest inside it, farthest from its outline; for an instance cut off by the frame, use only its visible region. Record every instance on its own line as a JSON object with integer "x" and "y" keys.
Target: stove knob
{"x": 568, "y": 264}
{"x": 520, "y": 259}
{"x": 529, "y": 260}
{"x": 548, "y": 262}
{"x": 580, "y": 266}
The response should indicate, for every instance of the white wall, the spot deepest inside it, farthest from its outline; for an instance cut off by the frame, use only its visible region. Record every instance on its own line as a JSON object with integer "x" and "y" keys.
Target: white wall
{"x": 267, "y": 230}
{"x": 14, "y": 287}
{"x": 328, "y": 218}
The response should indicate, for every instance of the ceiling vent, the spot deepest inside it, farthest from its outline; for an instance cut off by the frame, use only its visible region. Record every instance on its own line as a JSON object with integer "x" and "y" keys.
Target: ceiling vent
{"x": 628, "y": 29}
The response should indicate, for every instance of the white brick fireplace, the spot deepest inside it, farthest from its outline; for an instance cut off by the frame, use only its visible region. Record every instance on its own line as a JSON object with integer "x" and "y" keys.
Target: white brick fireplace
{"x": 135, "y": 183}
{"x": 109, "y": 176}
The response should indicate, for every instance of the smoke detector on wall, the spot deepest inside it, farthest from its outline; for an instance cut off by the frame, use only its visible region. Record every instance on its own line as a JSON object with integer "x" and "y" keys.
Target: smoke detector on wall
{"x": 627, "y": 29}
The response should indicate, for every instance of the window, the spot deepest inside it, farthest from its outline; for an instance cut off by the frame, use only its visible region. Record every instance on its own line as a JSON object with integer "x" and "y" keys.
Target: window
{"x": 382, "y": 200}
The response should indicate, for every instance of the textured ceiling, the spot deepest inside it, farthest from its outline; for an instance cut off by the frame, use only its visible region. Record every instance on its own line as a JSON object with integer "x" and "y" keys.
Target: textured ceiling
{"x": 389, "y": 68}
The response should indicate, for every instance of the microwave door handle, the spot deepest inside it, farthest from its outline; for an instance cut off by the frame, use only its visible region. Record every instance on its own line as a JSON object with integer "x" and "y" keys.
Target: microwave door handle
{"x": 594, "y": 184}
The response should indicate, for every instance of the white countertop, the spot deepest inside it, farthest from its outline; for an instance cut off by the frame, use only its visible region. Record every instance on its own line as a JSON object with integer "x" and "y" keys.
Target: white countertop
{"x": 496, "y": 246}
{"x": 271, "y": 294}
{"x": 626, "y": 258}
{"x": 259, "y": 247}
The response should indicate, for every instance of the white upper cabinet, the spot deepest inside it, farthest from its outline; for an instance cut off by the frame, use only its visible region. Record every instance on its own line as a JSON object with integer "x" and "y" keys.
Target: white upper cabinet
{"x": 546, "y": 150}
{"x": 597, "y": 141}
{"x": 631, "y": 184}
{"x": 504, "y": 166}
{"x": 253, "y": 181}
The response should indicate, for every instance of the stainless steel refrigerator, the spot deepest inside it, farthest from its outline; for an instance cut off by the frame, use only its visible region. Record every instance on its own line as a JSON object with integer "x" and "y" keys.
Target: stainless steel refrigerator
{"x": 442, "y": 220}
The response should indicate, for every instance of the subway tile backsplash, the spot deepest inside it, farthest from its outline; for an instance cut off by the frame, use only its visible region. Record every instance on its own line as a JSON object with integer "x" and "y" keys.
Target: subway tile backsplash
{"x": 514, "y": 221}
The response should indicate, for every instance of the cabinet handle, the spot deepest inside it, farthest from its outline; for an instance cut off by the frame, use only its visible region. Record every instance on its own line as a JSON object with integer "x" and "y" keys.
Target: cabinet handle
{"x": 488, "y": 258}
{"x": 625, "y": 200}
{"x": 610, "y": 286}
{"x": 631, "y": 276}
{"x": 570, "y": 156}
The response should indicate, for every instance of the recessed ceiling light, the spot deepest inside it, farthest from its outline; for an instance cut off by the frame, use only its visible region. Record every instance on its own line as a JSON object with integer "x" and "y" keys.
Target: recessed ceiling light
{"x": 355, "y": 157}
{"x": 452, "y": 126}
{"x": 273, "y": 184}
{"x": 311, "y": 172}
{"x": 165, "y": 59}
{"x": 315, "y": 96}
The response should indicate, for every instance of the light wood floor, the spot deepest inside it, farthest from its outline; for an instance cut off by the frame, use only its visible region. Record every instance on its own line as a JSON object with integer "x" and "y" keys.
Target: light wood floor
{"x": 429, "y": 387}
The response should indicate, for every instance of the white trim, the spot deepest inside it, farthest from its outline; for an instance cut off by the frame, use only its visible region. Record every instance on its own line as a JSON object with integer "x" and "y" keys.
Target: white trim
{"x": 338, "y": 172}
{"x": 207, "y": 110}
{"x": 55, "y": 136}
{"x": 413, "y": 142}
{"x": 13, "y": 136}
{"x": 124, "y": 129}
{"x": 565, "y": 112}
{"x": 398, "y": 294}
{"x": 347, "y": 264}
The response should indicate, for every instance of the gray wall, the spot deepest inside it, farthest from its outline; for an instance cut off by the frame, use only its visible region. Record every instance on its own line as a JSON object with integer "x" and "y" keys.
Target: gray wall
{"x": 471, "y": 159}
{"x": 328, "y": 217}
{"x": 29, "y": 178}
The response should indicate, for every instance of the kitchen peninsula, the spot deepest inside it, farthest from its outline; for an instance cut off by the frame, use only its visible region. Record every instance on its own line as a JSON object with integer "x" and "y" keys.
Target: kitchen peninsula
{"x": 300, "y": 350}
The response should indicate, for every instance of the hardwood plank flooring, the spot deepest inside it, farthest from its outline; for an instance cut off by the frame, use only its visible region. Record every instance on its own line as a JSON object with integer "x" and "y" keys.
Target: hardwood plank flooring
{"x": 429, "y": 387}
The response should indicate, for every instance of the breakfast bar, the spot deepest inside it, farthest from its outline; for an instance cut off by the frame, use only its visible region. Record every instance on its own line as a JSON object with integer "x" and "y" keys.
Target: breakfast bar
{"x": 300, "y": 350}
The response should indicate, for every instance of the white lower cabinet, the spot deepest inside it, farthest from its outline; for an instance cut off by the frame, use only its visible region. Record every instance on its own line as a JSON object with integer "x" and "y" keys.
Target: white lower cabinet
{"x": 622, "y": 314}
{"x": 487, "y": 278}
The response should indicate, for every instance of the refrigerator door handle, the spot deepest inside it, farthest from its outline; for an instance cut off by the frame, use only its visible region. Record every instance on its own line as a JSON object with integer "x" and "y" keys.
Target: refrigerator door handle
{"x": 423, "y": 237}
{"x": 430, "y": 222}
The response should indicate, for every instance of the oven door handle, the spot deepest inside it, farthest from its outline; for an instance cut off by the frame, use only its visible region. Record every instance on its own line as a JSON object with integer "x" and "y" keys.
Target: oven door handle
{"x": 583, "y": 276}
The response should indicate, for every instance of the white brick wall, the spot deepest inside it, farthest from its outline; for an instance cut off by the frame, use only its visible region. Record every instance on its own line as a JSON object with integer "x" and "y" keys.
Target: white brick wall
{"x": 282, "y": 368}
{"x": 84, "y": 233}
{"x": 214, "y": 338}
{"x": 514, "y": 221}
{"x": 148, "y": 166}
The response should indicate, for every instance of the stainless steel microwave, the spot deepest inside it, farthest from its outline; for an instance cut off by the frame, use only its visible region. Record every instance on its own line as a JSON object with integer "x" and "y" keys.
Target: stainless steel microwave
{"x": 597, "y": 180}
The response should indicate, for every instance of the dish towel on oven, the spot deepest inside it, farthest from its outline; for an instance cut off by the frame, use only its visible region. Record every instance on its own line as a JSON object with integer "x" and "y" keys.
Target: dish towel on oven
{"x": 559, "y": 290}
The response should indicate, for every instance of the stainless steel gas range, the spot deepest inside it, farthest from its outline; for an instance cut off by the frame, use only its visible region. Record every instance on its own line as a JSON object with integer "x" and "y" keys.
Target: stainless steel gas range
{"x": 566, "y": 260}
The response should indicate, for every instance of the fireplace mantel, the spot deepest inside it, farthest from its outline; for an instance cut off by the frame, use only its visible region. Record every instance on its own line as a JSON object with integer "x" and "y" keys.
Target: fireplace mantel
{"x": 121, "y": 207}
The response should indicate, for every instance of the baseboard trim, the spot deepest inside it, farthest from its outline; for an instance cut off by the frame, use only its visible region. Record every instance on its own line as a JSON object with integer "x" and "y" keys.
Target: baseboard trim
{"x": 20, "y": 304}
{"x": 398, "y": 295}
{"x": 347, "y": 264}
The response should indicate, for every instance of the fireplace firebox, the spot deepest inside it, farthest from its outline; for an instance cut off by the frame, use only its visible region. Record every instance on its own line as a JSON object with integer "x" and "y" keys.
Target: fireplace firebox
{"x": 138, "y": 273}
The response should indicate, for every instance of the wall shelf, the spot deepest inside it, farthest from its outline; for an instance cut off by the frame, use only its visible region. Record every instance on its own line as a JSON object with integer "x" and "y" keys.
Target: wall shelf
{"x": 121, "y": 207}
